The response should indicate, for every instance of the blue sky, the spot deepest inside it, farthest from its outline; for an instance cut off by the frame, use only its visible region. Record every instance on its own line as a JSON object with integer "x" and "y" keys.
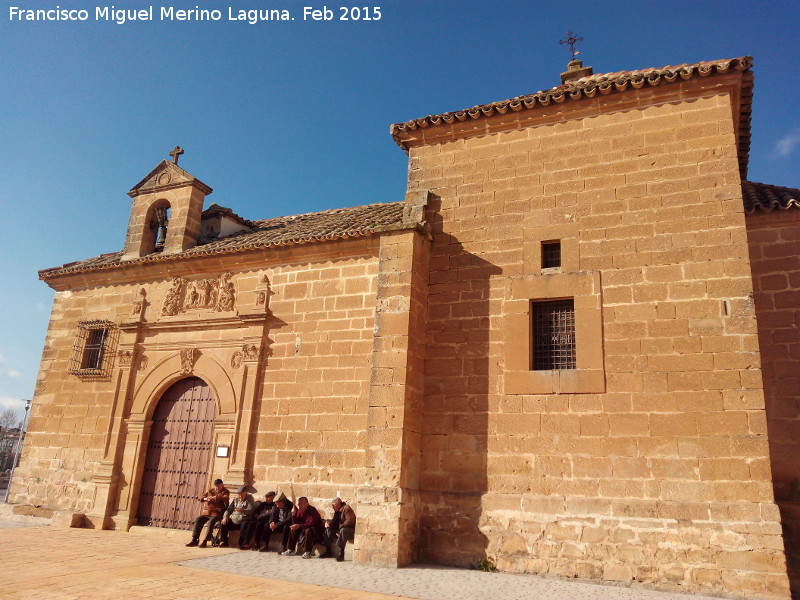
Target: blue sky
{"x": 290, "y": 117}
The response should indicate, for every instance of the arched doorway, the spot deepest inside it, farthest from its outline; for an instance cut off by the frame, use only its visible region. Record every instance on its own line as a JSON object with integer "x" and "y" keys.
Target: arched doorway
{"x": 178, "y": 456}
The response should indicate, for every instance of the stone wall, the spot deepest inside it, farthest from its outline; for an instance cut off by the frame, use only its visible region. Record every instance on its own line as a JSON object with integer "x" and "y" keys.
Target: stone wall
{"x": 659, "y": 472}
{"x": 774, "y": 244}
{"x": 288, "y": 359}
{"x": 774, "y": 247}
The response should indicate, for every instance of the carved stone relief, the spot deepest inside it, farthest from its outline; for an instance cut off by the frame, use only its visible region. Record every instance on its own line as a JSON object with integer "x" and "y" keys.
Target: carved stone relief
{"x": 174, "y": 298}
{"x": 263, "y": 292}
{"x": 218, "y": 295}
{"x": 188, "y": 358}
{"x": 227, "y": 293}
{"x": 143, "y": 362}
{"x": 125, "y": 358}
{"x": 139, "y": 302}
{"x": 251, "y": 352}
{"x": 236, "y": 359}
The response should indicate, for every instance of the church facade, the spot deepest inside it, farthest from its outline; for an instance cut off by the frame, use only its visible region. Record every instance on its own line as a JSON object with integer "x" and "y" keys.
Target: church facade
{"x": 572, "y": 349}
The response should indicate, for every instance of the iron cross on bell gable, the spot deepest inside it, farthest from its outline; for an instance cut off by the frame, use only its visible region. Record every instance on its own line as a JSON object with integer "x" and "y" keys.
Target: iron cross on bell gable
{"x": 176, "y": 152}
{"x": 571, "y": 41}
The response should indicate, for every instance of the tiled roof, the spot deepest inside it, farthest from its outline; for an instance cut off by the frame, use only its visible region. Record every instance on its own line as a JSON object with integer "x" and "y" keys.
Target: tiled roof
{"x": 603, "y": 84}
{"x": 322, "y": 226}
{"x": 761, "y": 197}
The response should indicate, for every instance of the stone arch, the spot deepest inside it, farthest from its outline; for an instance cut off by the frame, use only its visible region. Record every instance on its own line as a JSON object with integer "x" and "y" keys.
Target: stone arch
{"x": 168, "y": 371}
{"x": 155, "y": 231}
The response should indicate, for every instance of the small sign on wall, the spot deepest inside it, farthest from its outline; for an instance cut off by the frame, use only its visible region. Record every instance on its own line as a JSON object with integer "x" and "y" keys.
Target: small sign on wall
{"x": 222, "y": 451}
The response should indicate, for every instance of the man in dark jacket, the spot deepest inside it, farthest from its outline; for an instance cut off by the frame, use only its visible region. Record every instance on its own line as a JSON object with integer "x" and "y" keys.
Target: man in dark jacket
{"x": 280, "y": 520}
{"x": 258, "y": 525}
{"x": 216, "y": 501}
{"x": 305, "y": 530}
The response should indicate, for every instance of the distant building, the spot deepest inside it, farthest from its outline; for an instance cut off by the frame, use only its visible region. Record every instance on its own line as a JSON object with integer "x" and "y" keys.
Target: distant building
{"x": 572, "y": 349}
{"x": 10, "y": 443}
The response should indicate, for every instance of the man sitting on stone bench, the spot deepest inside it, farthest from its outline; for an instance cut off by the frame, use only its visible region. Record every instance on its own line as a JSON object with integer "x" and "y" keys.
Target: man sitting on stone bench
{"x": 280, "y": 520}
{"x": 342, "y": 527}
{"x": 306, "y": 529}
{"x": 216, "y": 501}
{"x": 258, "y": 525}
{"x": 238, "y": 513}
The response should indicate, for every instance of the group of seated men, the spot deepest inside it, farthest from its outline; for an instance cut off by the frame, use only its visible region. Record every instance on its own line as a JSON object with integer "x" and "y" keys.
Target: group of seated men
{"x": 301, "y": 527}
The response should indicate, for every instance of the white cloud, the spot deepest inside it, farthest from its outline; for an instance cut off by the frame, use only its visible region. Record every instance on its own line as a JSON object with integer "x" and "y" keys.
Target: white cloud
{"x": 788, "y": 143}
{"x": 2, "y": 359}
{"x": 14, "y": 374}
{"x": 15, "y": 403}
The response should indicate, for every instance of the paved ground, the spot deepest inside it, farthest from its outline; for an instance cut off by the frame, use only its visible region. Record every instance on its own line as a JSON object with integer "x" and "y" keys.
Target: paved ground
{"x": 41, "y": 562}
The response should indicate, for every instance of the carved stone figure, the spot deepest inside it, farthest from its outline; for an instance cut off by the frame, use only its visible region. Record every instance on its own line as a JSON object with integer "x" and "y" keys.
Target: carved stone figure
{"x": 172, "y": 302}
{"x": 262, "y": 295}
{"x": 251, "y": 352}
{"x": 139, "y": 302}
{"x": 236, "y": 359}
{"x": 143, "y": 361}
{"x": 125, "y": 358}
{"x": 188, "y": 358}
{"x": 227, "y": 293}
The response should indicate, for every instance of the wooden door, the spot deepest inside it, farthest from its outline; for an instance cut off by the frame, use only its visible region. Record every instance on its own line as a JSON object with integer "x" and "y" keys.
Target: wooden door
{"x": 178, "y": 456}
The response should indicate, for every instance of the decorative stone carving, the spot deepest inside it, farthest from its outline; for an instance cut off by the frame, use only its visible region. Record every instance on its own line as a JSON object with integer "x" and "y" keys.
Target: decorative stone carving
{"x": 174, "y": 298}
{"x": 263, "y": 294}
{"x": 188, "y": 358}
{"x": 251, "y": 352}
{"x": 125, "y": 358}
{"x": 201, "y": 293}
{"x": 139, "y": 302}
{"x": 227, "y": 293}
{"x": 236, "y": 359}
{"x": 211, "y": 294}
{"x": 143, "y": 362}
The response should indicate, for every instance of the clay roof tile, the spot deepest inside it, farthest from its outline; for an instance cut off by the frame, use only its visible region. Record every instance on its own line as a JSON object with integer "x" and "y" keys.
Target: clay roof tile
{"x": 606, "y": 83}
{"x": 762, "y": 197}
{"x": 308, "y": 228}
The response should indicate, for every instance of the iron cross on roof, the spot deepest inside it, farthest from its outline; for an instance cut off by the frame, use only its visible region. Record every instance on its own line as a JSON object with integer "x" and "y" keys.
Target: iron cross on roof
{"x": 571, "y": 41}
{"x": 176, "y": 152}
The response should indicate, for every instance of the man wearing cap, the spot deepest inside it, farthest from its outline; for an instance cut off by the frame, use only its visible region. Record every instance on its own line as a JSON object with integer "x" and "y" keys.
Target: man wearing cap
{"x": 280, "y": 519}
{"x": 305, "y": 530}
{"x": 238, "y": 513}
{"x": 258, "y": 525}
{"x": 216, "y": 501}
{"x": 342, "y": 527}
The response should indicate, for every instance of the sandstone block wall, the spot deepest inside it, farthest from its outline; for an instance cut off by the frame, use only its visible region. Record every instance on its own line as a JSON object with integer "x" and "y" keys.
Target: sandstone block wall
{"x": 313, "y": 406}
{"x": 774, "y": 248}
{"x": 663, "y": 476}
{"x": 289, "y": 363}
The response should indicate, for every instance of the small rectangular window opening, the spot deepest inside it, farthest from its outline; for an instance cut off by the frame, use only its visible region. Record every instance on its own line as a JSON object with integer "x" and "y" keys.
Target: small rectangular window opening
{"x": 94, "y": 349}
{"x": 551, "y": 254}
{"x": 553, "y": 335}
{"x": 93, "y": 342}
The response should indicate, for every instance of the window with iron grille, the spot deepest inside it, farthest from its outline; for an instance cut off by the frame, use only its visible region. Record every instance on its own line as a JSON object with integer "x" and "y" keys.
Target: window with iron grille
{"x": 551, "y": 254}
{"x": 553, "y": 335}
{"x": 91, "y": 348}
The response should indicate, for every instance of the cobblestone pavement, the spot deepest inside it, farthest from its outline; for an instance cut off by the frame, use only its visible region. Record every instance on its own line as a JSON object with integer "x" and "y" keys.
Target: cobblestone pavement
{"x": 76, "y": 564}
{"x": 426, "y": 582}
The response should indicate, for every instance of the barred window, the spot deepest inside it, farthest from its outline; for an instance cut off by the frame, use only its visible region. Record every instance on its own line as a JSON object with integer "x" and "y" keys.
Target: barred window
{"x": 553, "y": 335}
{"x": 91, "y": 348}
{"x": 551, "y": 254}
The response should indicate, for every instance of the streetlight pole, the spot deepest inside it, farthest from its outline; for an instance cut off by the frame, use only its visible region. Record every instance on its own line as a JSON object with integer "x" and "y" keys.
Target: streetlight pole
{"x": 19, "y": 448}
